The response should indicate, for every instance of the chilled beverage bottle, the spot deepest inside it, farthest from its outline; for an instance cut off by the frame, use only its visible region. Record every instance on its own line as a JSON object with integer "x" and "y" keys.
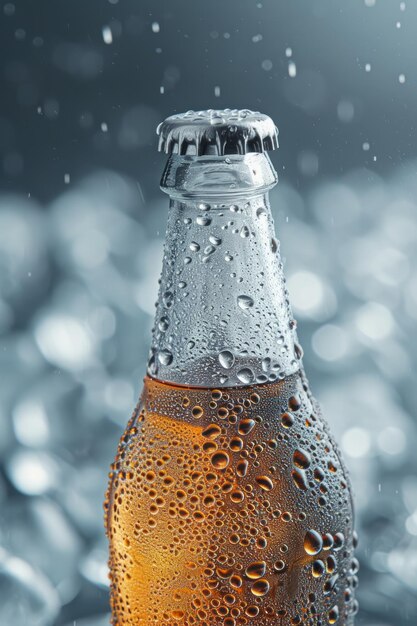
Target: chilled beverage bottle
{"x": 228, "y": 501}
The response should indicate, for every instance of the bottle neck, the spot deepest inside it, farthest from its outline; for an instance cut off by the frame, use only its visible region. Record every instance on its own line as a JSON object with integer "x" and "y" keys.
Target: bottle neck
{"x": 223, "y": 317}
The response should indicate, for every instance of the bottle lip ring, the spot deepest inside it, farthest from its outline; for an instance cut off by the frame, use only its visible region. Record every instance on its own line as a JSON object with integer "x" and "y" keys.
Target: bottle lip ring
{"x": 217, "y": 132}
{"x": 218, "y": 177}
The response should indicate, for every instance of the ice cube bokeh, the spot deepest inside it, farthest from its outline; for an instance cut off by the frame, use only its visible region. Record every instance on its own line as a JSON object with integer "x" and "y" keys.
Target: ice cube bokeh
{"x": 81, "y": 233}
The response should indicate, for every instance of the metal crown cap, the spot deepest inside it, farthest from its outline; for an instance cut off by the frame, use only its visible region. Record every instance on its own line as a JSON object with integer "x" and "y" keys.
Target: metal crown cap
{"x": 217, "y": 132}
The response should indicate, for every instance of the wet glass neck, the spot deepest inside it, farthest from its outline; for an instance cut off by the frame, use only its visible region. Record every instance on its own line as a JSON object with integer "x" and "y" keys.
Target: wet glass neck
{"x": 223, "y": 317}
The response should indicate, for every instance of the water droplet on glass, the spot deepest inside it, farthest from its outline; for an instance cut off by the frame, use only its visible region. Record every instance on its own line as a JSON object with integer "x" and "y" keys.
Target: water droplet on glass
{"x": 167, "y": 298}
{"x": 318, "y": 569}
{"x": 313, "y": 543}
{"x": 260, "y": 588}
{"x": 246, "y": 425}
{"x": 165, "y": 357}
{"x": 245, "y": 302}
{"x": 301, "y": 459}
{"x": 242, "y": 468}
{"x": 220, "y": 460}
{"x": 245, "y": 375}
{"x": 256, "y": 570}
{"x": 287, "y": 420}
{"x": 212, "y": 431}
{"x": 300, "y": 479}
{"x": 226, "y": 359}
{"x": 163, "y": 324}
{"x": 334, "y": 615}
{"x": 203, "y": 220}
{"x": 265, "y": 483}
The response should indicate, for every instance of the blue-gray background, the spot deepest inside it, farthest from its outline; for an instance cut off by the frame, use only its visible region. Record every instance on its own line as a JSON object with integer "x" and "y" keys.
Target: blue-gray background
{"x": 82, "y": 87}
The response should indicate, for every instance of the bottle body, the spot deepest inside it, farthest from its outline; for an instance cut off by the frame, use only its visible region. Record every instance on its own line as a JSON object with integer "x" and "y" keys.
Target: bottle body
{"x": 230, "y": 506}
{"x": 228, "y": 501}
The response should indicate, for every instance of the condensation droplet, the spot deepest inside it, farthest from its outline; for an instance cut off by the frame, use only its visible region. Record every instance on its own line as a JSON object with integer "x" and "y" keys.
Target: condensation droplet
{"x": 165, "y": 357}
{"x": 301, "y": 459}
{"x": 313, "y": 543}
{"x": 203, "y": 220}
{"x": 197, "y": 411}
{"x": 334, "y": 615}
{"x": 220, "y": 460}
{"x": 300, "y": 479}
{"x": 260, "y": 587}
{"x": 226, "y": 359}
{"x": 242, "y": 468}
{"x": 246, "y": 425}
{"x": 261, "y": 212}
{"x": 245, "y": 375}
{"x": 318, "y": 569}
{"x": 256, "y": 570}
{"x": 245, "y": 302}
{"x": 212, "y": 431}
{"x": 265, "y": 483}
{"x": 287, "y": 420}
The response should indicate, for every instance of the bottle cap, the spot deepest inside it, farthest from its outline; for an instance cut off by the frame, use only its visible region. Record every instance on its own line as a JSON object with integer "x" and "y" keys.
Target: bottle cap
{"x": 217, "y": 132}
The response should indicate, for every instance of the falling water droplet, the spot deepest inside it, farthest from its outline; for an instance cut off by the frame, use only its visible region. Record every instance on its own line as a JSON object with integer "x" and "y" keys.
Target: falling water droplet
{"x": 107, "y": 35}
{"x": 292, "y": 69}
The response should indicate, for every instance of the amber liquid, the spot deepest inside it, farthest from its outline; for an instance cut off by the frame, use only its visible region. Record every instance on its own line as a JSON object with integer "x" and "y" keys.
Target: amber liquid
{"x": 230, "y": 507}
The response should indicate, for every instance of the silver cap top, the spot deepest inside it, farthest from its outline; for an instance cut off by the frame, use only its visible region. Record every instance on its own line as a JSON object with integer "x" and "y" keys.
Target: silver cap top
{"x": 217, "y": 132}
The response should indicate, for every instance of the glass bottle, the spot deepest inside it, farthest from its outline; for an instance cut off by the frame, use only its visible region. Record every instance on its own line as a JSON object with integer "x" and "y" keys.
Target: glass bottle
{"x": 228, "y": 501}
